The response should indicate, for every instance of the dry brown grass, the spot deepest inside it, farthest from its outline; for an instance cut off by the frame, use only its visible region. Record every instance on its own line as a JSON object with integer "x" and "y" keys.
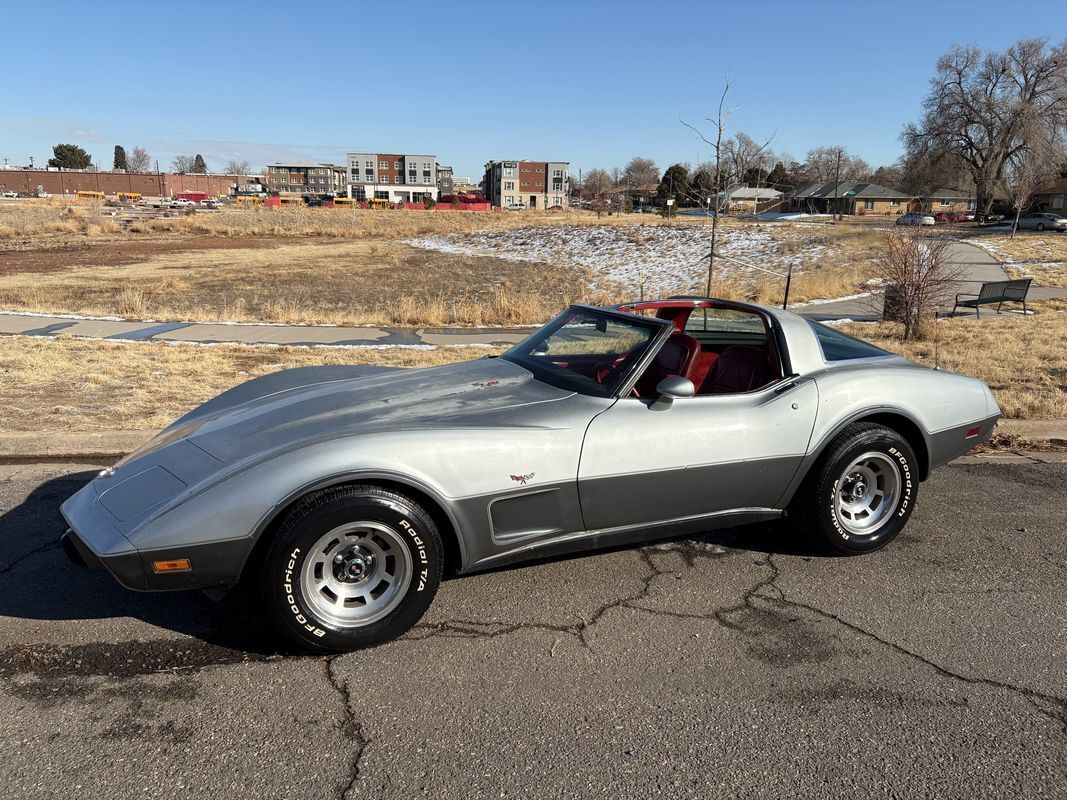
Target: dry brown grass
{"x": 1042, "y": 256}
{"x": 75, "y": 384}
{"x": 342, "y": 283}
{"x": 347, "y": 267}
{"x": 1022, "y": 359}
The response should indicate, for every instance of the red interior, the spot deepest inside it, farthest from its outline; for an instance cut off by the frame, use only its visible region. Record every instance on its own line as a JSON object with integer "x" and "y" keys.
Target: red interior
{"x": 737, "y": 368}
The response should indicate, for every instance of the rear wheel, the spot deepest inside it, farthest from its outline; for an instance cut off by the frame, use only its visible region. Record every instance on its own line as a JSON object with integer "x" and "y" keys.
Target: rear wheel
{"x": 861, "y": 492}
{"x": 351, "y": 567}
{"x": 1040, "y": 226}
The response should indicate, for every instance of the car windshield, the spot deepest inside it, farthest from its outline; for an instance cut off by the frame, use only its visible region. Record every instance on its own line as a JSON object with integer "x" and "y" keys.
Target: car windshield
{"x": 585, "y": 351}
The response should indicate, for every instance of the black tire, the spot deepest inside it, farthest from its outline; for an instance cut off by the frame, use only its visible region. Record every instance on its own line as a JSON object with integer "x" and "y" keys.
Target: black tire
{"x": 317, "y": 515}
{"x": 816, "y": 508}
{"x": 1040, "y": 226}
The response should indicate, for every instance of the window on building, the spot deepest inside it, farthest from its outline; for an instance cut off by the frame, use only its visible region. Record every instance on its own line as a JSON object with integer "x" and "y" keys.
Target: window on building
{"x": 973, "y": 204}
{"x": 1057, "y": 201}
{"x": 399, "y": 178}
{"x": 894, "y": 202}
{"x": 383, "y": 165}
{"x": 557, "y": 201}
{"x": 945, "y": 201}
{"x": 384, "y": 178}
{"x": 398, "y": 165}
{"x": 509, "y": 199}
{"x": 381, "y": 195}
{"x": 509, "y": 185}
{"x": 868, "y": 205}
{"x": 509, "y": 172}
{"x": 369, "y": 164}
{"x": 557, "y": 173}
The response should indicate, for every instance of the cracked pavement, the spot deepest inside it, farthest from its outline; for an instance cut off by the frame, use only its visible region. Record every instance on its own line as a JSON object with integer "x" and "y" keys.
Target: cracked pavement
{"x": 734, "y": 664}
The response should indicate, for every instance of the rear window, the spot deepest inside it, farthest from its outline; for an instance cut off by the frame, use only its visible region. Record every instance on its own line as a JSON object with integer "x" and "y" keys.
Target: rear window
{"x": 723, "y": 320}
{"x": 837, "y": 346}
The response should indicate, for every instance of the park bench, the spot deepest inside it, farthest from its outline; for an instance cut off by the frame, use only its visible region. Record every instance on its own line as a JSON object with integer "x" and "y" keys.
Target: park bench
{"x": 999, "y": 292}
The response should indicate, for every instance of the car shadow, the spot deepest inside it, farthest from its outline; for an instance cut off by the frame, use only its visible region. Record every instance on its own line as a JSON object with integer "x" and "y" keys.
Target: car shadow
{"x": 40, "y": 583}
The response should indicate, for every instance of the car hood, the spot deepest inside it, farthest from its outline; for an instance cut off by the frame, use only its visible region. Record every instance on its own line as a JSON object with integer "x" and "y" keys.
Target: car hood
{"x": 302, "y": 406}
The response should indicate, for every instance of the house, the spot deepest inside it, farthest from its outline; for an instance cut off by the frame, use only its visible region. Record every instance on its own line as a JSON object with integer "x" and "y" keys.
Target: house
{"x": 745, "y": 198}
{"x": 1050, "y": 197}
{"x": 531, "y": 184}
{"x": 395, "y": 178}
{"x": 945, "y": 199}
{"x": 850, "y": 197}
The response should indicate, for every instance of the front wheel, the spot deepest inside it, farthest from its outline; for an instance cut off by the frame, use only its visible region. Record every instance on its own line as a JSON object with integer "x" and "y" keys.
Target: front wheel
{"x": 1040, "y": 226}
{"x": 861, "y": 492}
{"x": 350, "y": 567}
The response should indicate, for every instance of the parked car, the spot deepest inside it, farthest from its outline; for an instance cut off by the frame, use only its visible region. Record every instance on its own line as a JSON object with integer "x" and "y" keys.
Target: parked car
{"x": 1043, "y": 220}
{"x": 915, "y": 218}
{"x": 210, "y": 203}
{"x": 516, "y": 207}
{"x": 181, "y": 202}
{"x": 346, "y": 491}
{"x": 942, "y": 217}
{"x": 9, "y": 194}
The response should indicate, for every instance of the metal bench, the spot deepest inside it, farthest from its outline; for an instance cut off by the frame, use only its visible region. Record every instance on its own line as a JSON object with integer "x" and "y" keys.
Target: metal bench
{"x": 999, "y": 292}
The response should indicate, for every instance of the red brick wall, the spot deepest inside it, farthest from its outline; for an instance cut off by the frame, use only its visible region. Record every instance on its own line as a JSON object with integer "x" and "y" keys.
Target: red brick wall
{"x": 534, "y": 180}
{"x": 27, "y": 181}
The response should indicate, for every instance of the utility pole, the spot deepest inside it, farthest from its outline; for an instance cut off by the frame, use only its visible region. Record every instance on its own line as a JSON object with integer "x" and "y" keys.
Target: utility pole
{"x": 837, "y": 181}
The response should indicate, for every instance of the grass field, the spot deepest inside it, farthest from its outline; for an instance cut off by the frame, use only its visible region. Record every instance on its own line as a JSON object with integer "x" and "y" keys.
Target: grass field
{"x": 73, "y": 384}
{"x": 352, "y": 267}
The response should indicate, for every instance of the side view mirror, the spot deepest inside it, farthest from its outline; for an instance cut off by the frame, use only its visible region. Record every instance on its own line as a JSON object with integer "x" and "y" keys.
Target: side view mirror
{"x": 675, "y": 387}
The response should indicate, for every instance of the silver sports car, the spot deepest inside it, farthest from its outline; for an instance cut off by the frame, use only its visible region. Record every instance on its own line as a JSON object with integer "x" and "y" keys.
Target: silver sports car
{"x": 346, "y": 492}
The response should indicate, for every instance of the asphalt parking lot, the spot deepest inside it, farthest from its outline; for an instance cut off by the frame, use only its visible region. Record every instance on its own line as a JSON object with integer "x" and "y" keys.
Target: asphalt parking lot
{"x": 737, "y": 664}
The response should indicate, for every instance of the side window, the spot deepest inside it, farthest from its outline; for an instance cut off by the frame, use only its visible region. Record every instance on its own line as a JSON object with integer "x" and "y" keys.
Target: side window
{"x": 837, "y": 346}
{"x": 723, "y": 320}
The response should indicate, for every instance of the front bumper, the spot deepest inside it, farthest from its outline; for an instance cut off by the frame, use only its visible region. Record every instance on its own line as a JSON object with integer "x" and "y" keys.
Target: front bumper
{"x": 94, "y": 540}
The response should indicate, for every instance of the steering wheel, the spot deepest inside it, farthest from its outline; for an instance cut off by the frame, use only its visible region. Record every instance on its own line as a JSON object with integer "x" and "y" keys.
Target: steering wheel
{"x": 607, "y": 372}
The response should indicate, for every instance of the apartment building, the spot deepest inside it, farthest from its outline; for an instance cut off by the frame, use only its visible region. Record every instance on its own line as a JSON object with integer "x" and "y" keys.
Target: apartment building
{"x": 394, "y": 177}
{"x": 444, "y": 181}
{"x": 529, "y": 184}
{"x": 306, "y": 177}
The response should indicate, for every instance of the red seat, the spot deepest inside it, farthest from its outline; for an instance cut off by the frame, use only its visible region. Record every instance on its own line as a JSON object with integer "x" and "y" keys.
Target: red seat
{"x": 738, "y": 369}
{"x": 702, "y": 366}
{"x": 674, "y": 358}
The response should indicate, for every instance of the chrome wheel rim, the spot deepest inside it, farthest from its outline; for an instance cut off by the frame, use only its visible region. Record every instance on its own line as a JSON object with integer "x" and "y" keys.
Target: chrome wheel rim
{"x": 356, "y": 574}
{"x": 867, "y": 493}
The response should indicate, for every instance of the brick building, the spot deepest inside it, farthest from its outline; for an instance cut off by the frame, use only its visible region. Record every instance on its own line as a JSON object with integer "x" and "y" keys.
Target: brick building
{"x": 153, "y": 184}
{"x": 306, "y": 177}
{"x": 850, "y": 197}
{"x": 531, "y": 184}
{"x": 394, "y": 177}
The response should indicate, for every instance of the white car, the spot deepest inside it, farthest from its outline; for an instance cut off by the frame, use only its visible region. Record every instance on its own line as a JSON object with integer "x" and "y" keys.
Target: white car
{"x": 914, "y": 218}
{"x": 516, "y": 207}
{"x": 9, "y": 194}
{"x": 181, "y": 202}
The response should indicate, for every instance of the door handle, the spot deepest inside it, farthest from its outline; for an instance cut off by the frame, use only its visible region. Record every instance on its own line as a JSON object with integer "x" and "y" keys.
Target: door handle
{"x": 789, "y": 384}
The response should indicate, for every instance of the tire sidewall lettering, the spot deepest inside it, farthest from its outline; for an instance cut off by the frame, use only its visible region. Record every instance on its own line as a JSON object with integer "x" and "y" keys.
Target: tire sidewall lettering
{"x": 904, "y": 504}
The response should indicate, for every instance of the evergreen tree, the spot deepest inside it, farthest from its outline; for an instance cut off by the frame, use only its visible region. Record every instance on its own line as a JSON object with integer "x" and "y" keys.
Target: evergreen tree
{"x": 199, "y": 165}
{"x": 70, "y": 156}
{"x": 120, "y": 158}
{"x": 778, "y": 177}
{"x": 675, "y": 183}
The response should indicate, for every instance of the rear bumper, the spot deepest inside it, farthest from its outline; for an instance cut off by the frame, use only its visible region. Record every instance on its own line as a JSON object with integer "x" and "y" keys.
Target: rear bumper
{"x": 954, "y": 442}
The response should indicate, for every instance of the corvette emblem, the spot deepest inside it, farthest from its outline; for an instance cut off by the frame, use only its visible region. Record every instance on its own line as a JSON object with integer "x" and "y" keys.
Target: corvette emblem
{"x": 522, "y": 478}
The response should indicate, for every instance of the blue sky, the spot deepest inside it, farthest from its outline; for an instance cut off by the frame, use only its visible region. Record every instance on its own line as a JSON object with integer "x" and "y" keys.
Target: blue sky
{"x": 590, "y": 82}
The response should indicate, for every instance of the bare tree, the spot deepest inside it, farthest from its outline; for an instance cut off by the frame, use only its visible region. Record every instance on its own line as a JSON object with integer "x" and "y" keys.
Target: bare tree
{"x": 718, "y": 145}
{"x": 745, "y": 155}
{"x": 238, "y": 167}
{"x": 641, "y": 173}
{"x": 1024, "y": 173}
{"x": 596, "y": 186}
{"x": 919, "y": 274}
{"x": 182, "y": 164}
{"x": 983, "y": 105}
{"x": 834, "y": 163}
{"x": 138, "y": 160}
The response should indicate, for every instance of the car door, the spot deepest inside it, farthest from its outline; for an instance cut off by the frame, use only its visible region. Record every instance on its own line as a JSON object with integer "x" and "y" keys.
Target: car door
{"x": 705, "y": 455}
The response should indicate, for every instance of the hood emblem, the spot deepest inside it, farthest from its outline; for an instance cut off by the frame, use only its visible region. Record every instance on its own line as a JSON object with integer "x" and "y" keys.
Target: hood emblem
{"x": 522, "y": 478}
